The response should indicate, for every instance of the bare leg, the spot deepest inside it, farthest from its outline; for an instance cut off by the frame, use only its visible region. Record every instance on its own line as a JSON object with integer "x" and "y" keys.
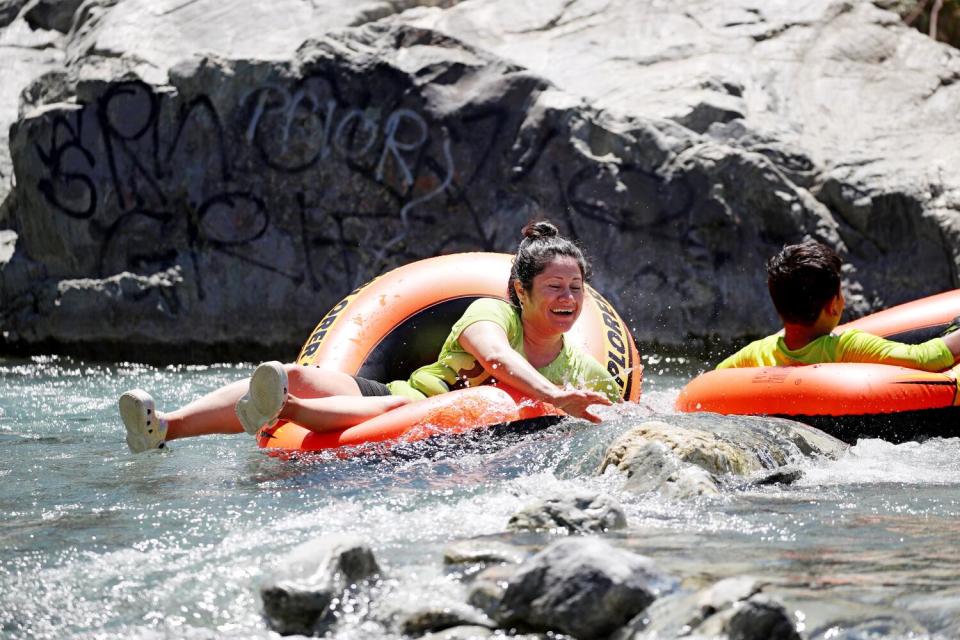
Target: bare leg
{"x": 214, "y": 412}
{"x": 337, "y": 412}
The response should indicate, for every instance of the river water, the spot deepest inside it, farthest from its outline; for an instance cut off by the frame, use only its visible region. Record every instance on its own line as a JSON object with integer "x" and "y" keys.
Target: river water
{"x": 99, "y": 543}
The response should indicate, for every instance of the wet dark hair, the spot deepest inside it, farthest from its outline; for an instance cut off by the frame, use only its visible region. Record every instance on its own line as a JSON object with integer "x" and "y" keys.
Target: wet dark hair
{"x": 802, "y": 278}
{"x": 541, "y": 243}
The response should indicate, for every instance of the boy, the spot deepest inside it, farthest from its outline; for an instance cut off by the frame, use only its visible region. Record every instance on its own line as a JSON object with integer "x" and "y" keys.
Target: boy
{"x": 804, "y": 283}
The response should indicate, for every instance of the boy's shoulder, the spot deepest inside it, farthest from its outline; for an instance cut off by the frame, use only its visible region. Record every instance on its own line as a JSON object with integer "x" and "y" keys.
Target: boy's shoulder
{"x": 758, "y": 353}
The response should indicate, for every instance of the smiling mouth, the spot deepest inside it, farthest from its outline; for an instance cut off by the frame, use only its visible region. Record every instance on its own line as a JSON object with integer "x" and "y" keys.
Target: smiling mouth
{"x": 562, "y": 312}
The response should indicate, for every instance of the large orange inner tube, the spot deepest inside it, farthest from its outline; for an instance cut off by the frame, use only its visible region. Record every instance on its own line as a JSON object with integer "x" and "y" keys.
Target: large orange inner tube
{"x": 398, "y": 322}
{"x": 831, "y": 395}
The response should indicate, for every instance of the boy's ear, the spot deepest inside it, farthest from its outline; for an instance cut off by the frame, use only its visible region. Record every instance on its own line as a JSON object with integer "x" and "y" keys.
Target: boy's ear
{"x": 835, "y": 305}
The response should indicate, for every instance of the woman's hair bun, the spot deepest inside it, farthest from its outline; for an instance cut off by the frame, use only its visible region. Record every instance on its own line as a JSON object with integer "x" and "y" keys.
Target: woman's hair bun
{"x": 540, "y": 229}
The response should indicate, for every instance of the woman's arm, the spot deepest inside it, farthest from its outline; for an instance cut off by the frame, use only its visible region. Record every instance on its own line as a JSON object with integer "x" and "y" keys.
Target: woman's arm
{"x": 487, "y": 342}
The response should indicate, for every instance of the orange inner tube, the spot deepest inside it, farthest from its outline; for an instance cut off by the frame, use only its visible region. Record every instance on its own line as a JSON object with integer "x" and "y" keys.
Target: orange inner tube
{"x": 838, "y": 389}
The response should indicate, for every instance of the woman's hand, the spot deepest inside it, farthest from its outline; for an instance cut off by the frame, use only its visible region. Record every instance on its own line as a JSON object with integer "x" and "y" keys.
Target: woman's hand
{"x": 575, "y": 402}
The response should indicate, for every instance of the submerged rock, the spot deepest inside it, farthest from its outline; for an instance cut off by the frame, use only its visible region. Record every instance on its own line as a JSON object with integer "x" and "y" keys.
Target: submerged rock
{"x": 583, "y": 512}
{"x": 488, "y": 587}
{"x": 483, "y": 551}
{"x": 760, "y": 618}
{"x": 693, "y": 455}
{"x": 302, "y": 593}
{"x": 733, "y": 608}
{"x": 437, "y": 619}
{"x": 464, "y": 632}
{"x": 583, "y": 587}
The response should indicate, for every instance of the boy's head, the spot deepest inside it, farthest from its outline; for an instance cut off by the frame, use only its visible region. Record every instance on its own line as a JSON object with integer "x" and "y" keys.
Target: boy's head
{"x": 802, "y": 279}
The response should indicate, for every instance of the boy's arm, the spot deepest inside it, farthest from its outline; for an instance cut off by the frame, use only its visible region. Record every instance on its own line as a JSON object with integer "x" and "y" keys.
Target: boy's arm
{"x": 952, "y": 340}
{"x": 932, "y": 355}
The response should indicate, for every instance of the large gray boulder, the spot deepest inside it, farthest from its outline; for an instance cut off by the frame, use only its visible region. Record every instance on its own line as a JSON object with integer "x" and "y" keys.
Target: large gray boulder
{"x": 273, "y": 177}
{"x": 849, "y": 104}
{"x": 264, "y": 178}
{"x": 583, "y": 587}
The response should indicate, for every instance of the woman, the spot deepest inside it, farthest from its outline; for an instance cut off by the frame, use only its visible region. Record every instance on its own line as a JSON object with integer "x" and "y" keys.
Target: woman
{"x": 519, "y": 343}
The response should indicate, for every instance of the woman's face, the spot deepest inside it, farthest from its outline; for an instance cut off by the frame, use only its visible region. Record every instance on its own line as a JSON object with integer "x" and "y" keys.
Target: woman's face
{"x": 555, "y": 300}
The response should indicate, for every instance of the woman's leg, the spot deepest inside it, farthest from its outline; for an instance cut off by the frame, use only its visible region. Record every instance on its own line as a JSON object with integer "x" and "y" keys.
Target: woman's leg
{"x": 337, "y": 412}
{"x": 212, "y": 413}
{"x": 341, "y": 405}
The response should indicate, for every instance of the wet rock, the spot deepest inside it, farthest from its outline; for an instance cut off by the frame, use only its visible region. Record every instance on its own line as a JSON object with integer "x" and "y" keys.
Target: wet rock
{"x": 939, "y": 612}
{"x": 437, "y": 619}
{"x": 489, "y": 586}
{"x": 731, "y": 608}
{"x": 785, "y": 475}
{"x": 761, "y": 618}
{"x": 302, "y": 593}
{"x": 691, "y": 455}
{"x": 583, "y": 587}
{"x": 55, "y": 15}
{"x": 654, "y": 467}
{"x": 481, "y": 551}
{"x": 9, "y": 9}
{"x": 584, "y": 512}
{"x": 891, "y": 625}
{"x": 678, "y": 613}
{"x": 8, "y": 241}
{"x": 837, "y": 616}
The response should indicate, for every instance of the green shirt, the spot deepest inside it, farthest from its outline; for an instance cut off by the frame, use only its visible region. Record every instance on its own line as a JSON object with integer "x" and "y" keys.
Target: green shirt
{"x": 850, "y": 346}
{"x": 455, "y": 368}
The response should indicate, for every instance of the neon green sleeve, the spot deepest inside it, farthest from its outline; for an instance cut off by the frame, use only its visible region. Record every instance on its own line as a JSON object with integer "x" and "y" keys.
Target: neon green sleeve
{"x": 598, "y": 379}
{"x": 857, "y": 346}
{"x": 759, "y": 353}
{"x": 582, "y": 371}
{"x": 490, "y": 310}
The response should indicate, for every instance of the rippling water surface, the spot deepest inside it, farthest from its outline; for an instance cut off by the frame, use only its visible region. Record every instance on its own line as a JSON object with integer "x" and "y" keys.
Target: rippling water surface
{"x": 97, "y": 542}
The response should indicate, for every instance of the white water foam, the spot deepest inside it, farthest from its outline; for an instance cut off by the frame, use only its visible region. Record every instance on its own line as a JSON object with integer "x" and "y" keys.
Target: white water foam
{"x": 933, "y": 462}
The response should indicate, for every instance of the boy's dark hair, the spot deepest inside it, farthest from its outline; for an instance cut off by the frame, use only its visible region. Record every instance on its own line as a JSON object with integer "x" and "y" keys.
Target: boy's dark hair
{"x": 541, "y": 243}
{"x": 802, "y": 278}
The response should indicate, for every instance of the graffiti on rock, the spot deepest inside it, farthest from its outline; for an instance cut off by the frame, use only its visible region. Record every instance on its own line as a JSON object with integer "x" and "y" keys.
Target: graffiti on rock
{"x": 318, "y": 185}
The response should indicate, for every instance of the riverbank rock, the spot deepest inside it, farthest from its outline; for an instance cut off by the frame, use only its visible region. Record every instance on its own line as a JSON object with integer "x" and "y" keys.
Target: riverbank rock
{"x": 846, "y": 102}
{"x": 26, "y": 55}
{"x": 583, "y": 587}
{"x": 304, "y": 591}
{"x": 685, "y": 456}
{"x": 584, "y": 512}
{"x": 297, "y": 150}
{"x": 734, "y": 608}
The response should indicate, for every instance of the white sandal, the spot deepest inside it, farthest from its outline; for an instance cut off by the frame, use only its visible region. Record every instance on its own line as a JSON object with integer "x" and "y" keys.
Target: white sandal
{"x": 260, "y": 406}
{"x": 145, "y": 429}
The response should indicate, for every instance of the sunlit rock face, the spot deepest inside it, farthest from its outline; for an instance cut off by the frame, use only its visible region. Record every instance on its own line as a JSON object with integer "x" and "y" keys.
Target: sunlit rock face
{"x": 237, "y": 169}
